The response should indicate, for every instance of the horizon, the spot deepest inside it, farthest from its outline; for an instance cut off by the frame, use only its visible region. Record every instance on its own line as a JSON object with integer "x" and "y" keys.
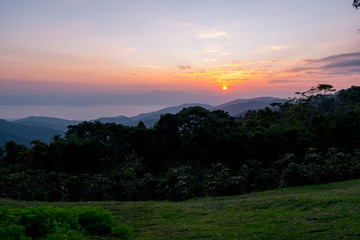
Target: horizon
{"x": 92, "y": 112}
{"x": 213, "y": 52}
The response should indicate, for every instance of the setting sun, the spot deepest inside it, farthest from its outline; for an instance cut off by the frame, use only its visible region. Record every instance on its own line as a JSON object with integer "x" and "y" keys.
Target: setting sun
{"x": 224, "y": 88}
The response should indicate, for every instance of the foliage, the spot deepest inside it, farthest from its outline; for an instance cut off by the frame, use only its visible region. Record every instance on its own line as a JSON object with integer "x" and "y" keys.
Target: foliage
{"x": 312, "y": 138}
{"x": 325, "y": 211}
{"x": 356, "y": 4}
{"x": 58, "y": 223}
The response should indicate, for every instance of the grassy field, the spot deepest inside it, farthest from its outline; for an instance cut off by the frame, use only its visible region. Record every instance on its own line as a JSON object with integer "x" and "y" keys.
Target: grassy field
{"x": 328, "y": 211}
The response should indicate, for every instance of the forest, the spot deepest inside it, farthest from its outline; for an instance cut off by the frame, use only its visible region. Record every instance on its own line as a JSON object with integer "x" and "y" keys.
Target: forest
{"x": 311, "y": 138}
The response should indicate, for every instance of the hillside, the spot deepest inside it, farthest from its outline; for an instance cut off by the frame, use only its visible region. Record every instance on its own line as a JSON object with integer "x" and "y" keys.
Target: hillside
{"x": 241, "y": 106}
{"x": 24, "y": 134}
{"x": 49, "y": 122}
{"x": 327, "y": 211}
{"x": 44, "y": 128}
{"x": 149, "y": 119}
{"x": 234, "y": 108}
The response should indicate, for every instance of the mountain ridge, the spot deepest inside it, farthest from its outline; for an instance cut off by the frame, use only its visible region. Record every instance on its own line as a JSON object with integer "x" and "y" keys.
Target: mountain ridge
{"x": 44, "y": 128}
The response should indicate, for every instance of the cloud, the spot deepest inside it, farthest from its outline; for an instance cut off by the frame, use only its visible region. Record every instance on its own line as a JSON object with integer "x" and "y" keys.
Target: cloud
{"x": 147, "y": 66}
{"x": 210, "y": 51}
{"x": 299, "y": 69}
{"x": 272, "y": 61}
{"x": 284, "y": 81}
{"x": 333, "y": 58}
{"x": 228, "y": 75}
{"x": 340, "y": 57}
{"x": 348, "y": 63}
{"x": 305, "y": 61}
{"x": 273, "y": 48}
{"x": 183, "y": 67}
{"x": 345, "y": 63}
{"x": 210, "y": 60}
{"x": 183, "y": 24}
{"x": 211, "y": 34}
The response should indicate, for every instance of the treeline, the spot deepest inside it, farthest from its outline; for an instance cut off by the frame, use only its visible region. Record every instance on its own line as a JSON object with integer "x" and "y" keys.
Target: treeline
{"x": 312, "y": 138}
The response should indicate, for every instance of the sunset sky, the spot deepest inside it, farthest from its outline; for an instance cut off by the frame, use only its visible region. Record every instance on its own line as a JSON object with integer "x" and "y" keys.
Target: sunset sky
{"x": 254, "y": 48}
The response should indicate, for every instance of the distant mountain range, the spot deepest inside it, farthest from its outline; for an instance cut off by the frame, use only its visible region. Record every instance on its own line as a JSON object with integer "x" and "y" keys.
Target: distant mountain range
{"x": 24, "y": 134}
{"x": 241, "y": 106}
{"x": 44, "y": 128}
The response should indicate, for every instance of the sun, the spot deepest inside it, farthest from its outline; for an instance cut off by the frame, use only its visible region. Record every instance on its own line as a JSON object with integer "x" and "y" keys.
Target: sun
{"x": 224, "y": 88}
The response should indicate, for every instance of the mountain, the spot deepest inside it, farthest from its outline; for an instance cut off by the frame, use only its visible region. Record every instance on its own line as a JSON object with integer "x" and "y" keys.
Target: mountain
{"x": 234, "y": 108}
{"x": 241, "y": 106}
{"x": 149, "y": 119}
{"x": 156, "y": 98}
{"x": 48, "y": 122}
{"x": 24, "y": 134}
{"x": 44, "y": 128}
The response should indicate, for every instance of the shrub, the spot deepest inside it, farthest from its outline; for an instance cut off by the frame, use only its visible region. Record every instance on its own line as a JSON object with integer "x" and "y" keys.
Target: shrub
{"x": 295, "y": 175}
{"x": 220, "y": 181}
{"x": 96, "y": 220}
{"x": 182, "y": 183}
{"x": 43, "y": 221}
{"x": 11, "y": 232}
{"x": 58, "y": 223}
{"x": 101, "y": 222}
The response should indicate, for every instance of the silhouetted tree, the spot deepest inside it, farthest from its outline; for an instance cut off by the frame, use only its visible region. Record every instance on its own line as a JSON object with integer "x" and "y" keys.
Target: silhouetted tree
{"x": 356, "y": 4}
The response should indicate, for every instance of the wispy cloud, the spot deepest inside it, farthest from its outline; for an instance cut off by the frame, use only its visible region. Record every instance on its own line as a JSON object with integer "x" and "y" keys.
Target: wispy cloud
{"x": 347, "y": 62}
{"x": 299, "y": 69}
{"x": 184, "y": 67}
{"x": 284, "y": 81}
{"x": 335, "y": 58}
{"x": 344, "y": 63}
{"x": 273, "y": 48}
{"x": 272, "y": 61}
{"x": 210, "y": 51}
{"x": 213, "y": 33}
{"x": 147, "y": 66}
{"x": 224, "y": 74}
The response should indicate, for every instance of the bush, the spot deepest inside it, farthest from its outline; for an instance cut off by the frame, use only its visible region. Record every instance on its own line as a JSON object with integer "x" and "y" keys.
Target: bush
{"x": 58, "y": 223}
{"x": 96, "y": 220}
{"x": 43, "y": 221}
{"x": 182, "y": 183}
{"x": 220, "y": 181}
{"x": 295, "y": 175}
{"x": 11, "y": 232}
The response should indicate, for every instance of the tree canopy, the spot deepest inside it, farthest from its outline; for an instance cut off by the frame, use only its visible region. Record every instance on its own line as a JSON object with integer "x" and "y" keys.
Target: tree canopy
{"x": 313, "y": 138}
{"x": 356, "y": 4}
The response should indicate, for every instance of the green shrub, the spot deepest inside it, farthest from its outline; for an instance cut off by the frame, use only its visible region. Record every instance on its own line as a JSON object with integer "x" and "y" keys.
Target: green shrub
{"x": 61, "y": 233}
{"x": 99, "y": 221}
{"x": 121, "y": 231}
{"x": 43, "y": 221}
{"x": 220, "y": 181}
{"x": 13, "y": 232}
{"x": 182, "y": 183}
{"x": 96, "y": 220}
{"x": 58, "y": 223}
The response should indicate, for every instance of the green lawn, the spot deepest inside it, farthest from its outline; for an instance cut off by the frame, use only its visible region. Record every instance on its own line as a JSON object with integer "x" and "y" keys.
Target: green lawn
{"x": 328, "y": 211}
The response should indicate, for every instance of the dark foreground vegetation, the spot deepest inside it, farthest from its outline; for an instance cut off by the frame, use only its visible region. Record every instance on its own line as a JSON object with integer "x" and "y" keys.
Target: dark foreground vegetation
{"x": 326, "y": 211}
{"x": 59, "y": 223}
{"x": 313, "y": 138}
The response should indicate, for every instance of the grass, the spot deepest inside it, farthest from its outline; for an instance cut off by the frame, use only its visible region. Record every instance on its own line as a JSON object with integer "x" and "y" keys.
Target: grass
{"x": 327, "y": 211}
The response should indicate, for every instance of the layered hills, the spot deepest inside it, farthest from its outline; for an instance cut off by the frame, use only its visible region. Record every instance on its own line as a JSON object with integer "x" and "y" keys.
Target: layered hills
{"x": 44, "y": 128}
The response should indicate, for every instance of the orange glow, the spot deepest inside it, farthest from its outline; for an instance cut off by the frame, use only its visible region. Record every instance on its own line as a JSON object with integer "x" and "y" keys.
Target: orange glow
{"x": 224, "y": 88}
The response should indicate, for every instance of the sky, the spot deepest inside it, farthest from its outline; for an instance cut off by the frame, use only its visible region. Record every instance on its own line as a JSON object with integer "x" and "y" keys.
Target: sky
{"x": 221, "y": 50}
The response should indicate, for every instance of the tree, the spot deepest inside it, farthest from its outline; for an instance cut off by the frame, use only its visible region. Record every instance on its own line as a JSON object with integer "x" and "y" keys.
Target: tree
{"x": 356, "y": 4}
{"x": 320, "y": 89}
